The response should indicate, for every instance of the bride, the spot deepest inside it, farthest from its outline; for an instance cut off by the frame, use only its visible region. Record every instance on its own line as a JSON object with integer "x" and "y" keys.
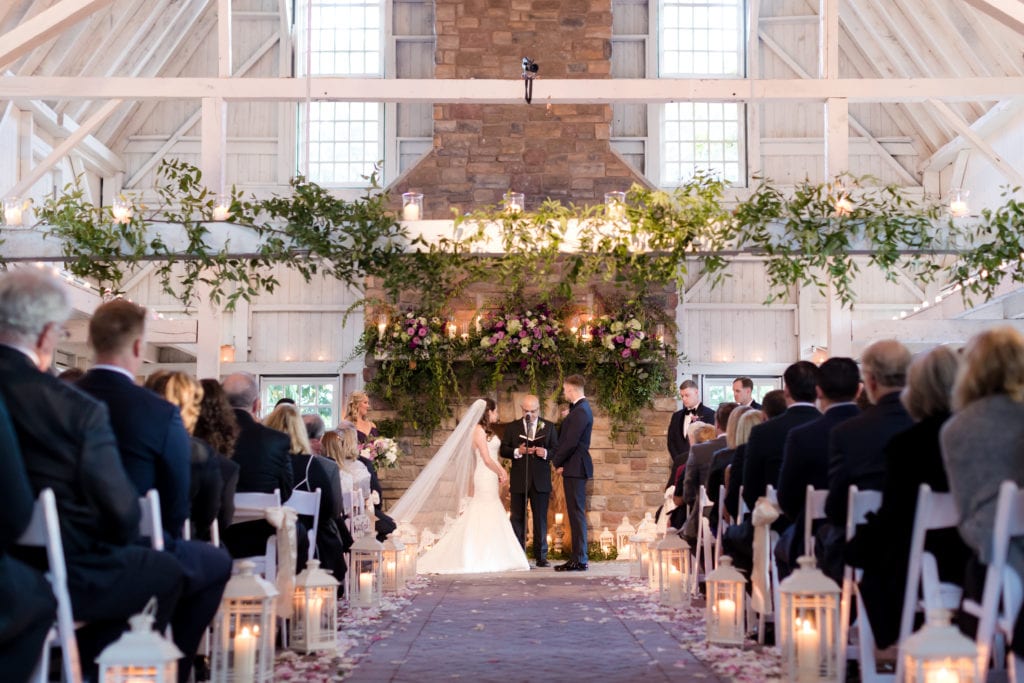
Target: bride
{"x": 456, "y": 495}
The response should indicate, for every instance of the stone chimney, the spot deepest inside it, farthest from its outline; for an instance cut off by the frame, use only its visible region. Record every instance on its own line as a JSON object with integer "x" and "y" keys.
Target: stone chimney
{"x": 557, "y": 151}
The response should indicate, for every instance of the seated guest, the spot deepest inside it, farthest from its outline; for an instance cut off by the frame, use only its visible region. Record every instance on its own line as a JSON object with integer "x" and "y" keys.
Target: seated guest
{"x": 156, "y": 453}
{"x": 983, "y": 446}
{"x": 71, "y": 375}
{"x": 721, "y": 460}
{"x": 699, "y": 433}
{"x": 734, "y": 473}
{"x": 857, "y": 446}
{"x": 383, "y": 524}
{"x": 774, "y": 403}
{"x": 29, "y": 607}
{"x": 67, "y": 445}
{"x": 346, "y": 455}
{"x": 698, "y": 463}
{"x": 314, "y": 472}
{"x": 217, "y": 426}
{"x": 206, "y": 490}
{"x": 912, "y": 458}
{"x": 315, "y": 431}
{"x": 805, "y": 457}
{"x": 262, "y": 455}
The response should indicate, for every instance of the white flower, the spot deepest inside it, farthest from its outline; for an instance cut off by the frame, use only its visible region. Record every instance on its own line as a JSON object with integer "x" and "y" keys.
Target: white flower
{"x": 514, "y": 326}
{"x": 635, "y": 344}
{"x": 485, "y": 342}
{"x": 608, "y": 341}
{"x": 617, "y": 326}
{"x": 633, "y": 324}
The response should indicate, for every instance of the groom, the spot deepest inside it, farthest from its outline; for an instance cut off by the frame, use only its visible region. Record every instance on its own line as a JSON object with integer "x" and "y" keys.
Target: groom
{"x": 572, "y": 461}
{"x": 527, "y": 443}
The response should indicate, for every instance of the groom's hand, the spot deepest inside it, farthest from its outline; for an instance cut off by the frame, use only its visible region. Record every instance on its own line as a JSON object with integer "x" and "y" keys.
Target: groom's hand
{"x": 558, "y": 470}
{"x": 541, "y": 452}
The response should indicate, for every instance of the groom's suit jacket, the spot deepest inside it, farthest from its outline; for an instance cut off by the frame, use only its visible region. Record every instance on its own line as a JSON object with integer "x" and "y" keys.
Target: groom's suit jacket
{"x": 573, "y": 452}
{"x": 529, "y": 467}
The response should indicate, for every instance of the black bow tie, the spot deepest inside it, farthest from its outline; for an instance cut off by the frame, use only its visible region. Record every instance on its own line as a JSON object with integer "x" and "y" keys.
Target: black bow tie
{"x": 690, "y": 411}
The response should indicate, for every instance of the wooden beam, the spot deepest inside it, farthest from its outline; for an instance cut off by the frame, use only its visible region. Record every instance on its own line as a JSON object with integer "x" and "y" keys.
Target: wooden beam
{"x": 224, "y": 68}
{"x": 498, "y": 91}
{"x": 755, "y": 161}
{"x": 1007, "y": 12}
{"x": 995, "y": 118}
{"x": 61, "y": 126}
{"x": 961, "y": 126}
{"x": 934, "y": 332}
{"x": 26, "y": 182}
{"x": 160, "y": 331}
{"x": 828, "y": 38}
{"x": 214, "y": 142}
{"x": 34, "y": 32}
{"x": 837, "y": 137}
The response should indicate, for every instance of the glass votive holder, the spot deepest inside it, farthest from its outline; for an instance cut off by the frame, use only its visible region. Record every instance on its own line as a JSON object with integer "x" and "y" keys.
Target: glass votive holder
{"x": 615, "y": 205}
{"x": 412, "y": 206}
{"x": 515, "y": 202}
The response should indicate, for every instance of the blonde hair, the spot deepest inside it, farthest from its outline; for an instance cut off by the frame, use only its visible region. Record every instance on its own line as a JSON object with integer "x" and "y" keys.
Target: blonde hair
{"x": 750, "y": 419}
{"x": 993, "y": 364}
{"x": 354, "y": 399}
{"x": 734, "y": 421}
{"x": 181, "y": 389}
{"x": 929, "y": 383}
{"x": 704, "y": 432}
{"x": 286, "y": 418}
{"x": 342, "y": 446}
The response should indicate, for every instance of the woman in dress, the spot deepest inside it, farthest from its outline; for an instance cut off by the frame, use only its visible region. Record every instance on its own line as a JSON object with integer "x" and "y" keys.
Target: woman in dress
{"x": 460, "y": 488}
{"x": 358, "y": 407}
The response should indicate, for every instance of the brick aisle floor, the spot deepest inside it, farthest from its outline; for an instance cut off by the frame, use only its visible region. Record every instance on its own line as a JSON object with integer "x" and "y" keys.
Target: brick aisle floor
{"x": 518, "y": 626}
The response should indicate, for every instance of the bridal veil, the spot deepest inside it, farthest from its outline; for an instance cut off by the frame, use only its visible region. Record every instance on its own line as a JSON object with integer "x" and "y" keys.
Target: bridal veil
{"x": 439, "y": 491}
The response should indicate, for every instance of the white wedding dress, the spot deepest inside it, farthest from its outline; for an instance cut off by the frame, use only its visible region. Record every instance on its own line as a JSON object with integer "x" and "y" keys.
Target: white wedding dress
{"x": 481, "y": 538}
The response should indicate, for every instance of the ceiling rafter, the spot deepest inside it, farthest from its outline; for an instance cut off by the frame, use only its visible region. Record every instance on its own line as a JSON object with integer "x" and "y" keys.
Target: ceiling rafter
{"x": 1007, "y": 12}
{"x": 985, "y": 37}
{"x": 990, "y": 122}
{"x": 962, "y": 127}
{"x": 101, "y": 156}
{"x": 13, "y": 19}
{"x": 942, "y": 33}
{"x": 861, "y": 130}
{"x": 51, "y": 22}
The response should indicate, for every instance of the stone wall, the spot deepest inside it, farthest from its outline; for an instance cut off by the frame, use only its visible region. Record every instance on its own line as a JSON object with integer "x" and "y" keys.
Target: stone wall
{"x": 543, "y": 150}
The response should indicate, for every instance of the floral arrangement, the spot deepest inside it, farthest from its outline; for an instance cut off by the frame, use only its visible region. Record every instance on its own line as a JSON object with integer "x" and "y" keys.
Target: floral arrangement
{"x": 621, "y": 338}
{"x": 382, "y": 451}
{"x": 523, "y": 343}
{"x": 412, "y": 336}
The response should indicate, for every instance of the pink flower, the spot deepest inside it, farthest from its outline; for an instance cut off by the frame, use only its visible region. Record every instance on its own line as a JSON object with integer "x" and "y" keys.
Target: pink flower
{"x": 411, "y": 330}
{"x": 626, "y": 353}
{"x": 423, "y": 332}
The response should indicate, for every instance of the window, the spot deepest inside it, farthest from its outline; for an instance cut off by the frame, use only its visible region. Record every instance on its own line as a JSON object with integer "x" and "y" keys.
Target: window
{"x": 344, "y": 38}
{"x": 717, "y": 389}
{"x": 318, "y": 395}
{"x": 699, "y": 39}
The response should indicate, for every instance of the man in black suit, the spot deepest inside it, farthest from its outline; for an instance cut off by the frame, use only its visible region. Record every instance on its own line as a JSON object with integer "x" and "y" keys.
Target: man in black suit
{"x": 528, "y": 443}
{"x": 679, "y": 426}
{"x": 805, "y": 456}
{"x": 264, "y": 461}
{"x": 857, "y": 447}
{"x": 29, "y": 607}
{"x": 743, "y": 392}
{"x": 698, "y": 464}
{"x": 763, "y": 453}
{"x": 67, "y": 445}
{"x": 156, "y": 453}
{"x": 572, "y": 460}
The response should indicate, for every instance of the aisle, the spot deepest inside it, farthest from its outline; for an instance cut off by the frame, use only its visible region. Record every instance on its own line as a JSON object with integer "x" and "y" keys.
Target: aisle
{"x": 520, "y": 626}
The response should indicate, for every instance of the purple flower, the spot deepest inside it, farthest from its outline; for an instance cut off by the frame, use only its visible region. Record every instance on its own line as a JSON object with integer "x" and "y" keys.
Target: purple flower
{"x": 626, "y": 353}
{"x": 537, "y": 333}
{"x": 522, "y": 333}
{"x": 411, "y": 330}
{"x": 620, "y": 339}
{"x": 414, "y": 343}
{"x": 499, "y": 335}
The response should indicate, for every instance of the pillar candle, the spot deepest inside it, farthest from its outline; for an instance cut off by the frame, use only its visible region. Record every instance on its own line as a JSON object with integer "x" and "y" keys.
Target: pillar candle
{"x": 726, "y": 617}
{"x": 411, "y": 212}
{"x": 806, "y": 650}
{"x": 365, "y": 587}
{"x": 245, "y": 656}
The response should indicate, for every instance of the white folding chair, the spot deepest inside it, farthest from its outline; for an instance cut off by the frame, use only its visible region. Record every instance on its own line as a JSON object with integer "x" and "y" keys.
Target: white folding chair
{"x": 721, "y": 523}
{"x": 250, "y": 507}
{"x": 43, "y": 531}
{"x": 151, "y": 522}
{"x": 934, "y": 511}
{"x": 307, "y": 503}
{"x": 814, "y": 509}
{"x": 703, "y": 540}
{"x": 859, "y": 504}
{"x": 1001, "y": 597}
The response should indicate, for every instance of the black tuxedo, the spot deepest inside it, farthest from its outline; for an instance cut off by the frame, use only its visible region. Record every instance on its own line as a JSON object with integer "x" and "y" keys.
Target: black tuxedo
{"x": 765, "y": 447}
{"x": 28, "y": 604}
{"x": 678, "y": 443}
{"x": 157, "y": 454}
{"x": 530, "y": 478}
{"x": 912, "y": 458}
{"x": 67, "y": 445}
{"x": 573, "y": 456}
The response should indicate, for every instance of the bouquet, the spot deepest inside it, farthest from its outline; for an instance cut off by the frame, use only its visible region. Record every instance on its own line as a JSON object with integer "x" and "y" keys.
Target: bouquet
{"x": 623, "y": 339}
{"x": 522, "y": 343}
{"x": 412, "y": 337}
{"x": 382, "y": 451}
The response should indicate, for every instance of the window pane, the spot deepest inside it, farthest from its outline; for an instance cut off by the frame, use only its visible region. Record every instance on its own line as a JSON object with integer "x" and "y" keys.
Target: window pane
{"x": 701, "y": 38}
{"x": 700, "y": 136}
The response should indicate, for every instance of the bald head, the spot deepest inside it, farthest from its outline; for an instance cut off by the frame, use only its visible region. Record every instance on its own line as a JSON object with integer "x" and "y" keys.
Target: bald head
{"x": 884, "y": 366}
{"x": 242, "y": 392}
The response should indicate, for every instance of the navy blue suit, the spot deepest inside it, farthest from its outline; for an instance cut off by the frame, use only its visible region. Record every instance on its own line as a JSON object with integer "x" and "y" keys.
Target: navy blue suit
{"x": 573, "y": 456}
{"x": 157, "y": 454}
{"x": 764, "y": 450}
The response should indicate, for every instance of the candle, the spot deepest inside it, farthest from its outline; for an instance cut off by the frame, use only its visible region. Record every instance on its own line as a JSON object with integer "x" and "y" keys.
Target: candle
{"x": 958, "y": 207}
{"x": 390, "y": 567}
{"x": 452, "y": 330}
{"x": 13, "y": 215}
{"x": 942, "y": 675}
{"x": 675, "y": 584}
{"x": 381, "y": 329}
{"x": 365, "y": 587}
{"x": 806, "y": 650}
{"x": 314, "y": 618}
{"x": 558, "y": 518}
{"x": 549, "y": 539}
{"x": 221, "y": 213}
{"x": 411, "y": 212}
{"x": 726, "y": 616}
{"x": 245, "y": 656}
{"x": 478, "y": 326}
{"x": 660, "y": 333}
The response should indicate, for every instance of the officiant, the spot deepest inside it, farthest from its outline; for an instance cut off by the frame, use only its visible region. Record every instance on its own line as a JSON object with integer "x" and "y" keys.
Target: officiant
{"x": 528, "y": 443}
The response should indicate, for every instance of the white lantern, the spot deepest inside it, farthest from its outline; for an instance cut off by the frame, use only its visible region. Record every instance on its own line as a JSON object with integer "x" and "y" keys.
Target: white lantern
{"x": 647, "y": 528}
{"x": 243, "y": 630}
{"x": 615, "y": 205}
{"x": 393, "y": 567}
{"x": 407, "y": 533}
{"x": 808, "y": 629}
{"x": 14, "y": 211}
{"x": 725, "y": 604}
{"x": 366, "y": 577}
{"x": 314, "y": 624}
{"x": 607, "y": 540}
{"x": 515, "y": 202}
{"x": 652, "y": 561}
{"x": 623, "y": 533}
{"x": 672, "y": 567}
{"x": 939, "y": 653}
{"x": 140, "y": 655}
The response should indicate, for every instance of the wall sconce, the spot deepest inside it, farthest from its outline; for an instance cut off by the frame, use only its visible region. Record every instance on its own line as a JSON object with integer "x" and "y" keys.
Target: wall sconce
{"x": 958, "y": 203}
{"x": 122, "y": 210}
{"x": 514, "y": 202}
{"x": 412, "y": 206}
{"x": 14, "y": 211}
{"x": 222, "y": 208}
{"x": 227, "y": 353}
{"x": 615, "y": 205}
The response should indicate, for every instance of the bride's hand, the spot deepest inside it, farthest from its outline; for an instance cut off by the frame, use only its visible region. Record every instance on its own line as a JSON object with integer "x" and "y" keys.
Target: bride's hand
{"x": 502, "y": 477}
